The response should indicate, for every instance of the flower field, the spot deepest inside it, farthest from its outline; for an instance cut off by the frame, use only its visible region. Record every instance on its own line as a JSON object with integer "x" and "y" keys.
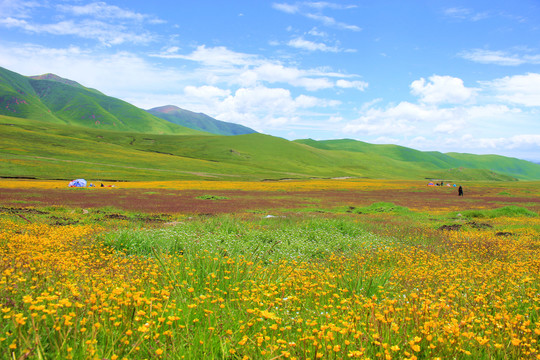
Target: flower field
{"x": 368, "y": 282}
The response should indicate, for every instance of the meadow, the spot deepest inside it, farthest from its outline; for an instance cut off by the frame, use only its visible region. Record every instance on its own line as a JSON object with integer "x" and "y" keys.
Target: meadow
{"x": 330, "y": 269}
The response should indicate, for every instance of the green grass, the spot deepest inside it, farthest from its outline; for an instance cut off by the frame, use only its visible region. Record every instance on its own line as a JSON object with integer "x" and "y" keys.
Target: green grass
{"x": 509, "y": 211}
{"x": 381, "y": 207}
{"x": 53, "y": 128}
{"x": 55, "y": 151}
{"x": 451, "y": 166}
{"x": 268, "y": 238}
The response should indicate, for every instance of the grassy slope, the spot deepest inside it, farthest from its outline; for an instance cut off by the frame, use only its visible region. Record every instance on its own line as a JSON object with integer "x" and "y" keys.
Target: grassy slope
{"x": 445, "y": 166}
{"x": 18, "y": 98}
{"x": 57, "y": 102}
{"x": 44, "y": 150}
{"x": 199, "y": 121}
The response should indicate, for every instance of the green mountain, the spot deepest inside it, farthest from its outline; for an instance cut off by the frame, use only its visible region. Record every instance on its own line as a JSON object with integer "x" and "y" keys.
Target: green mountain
{"x": 449, "y": 164}
{"x": 52, "y": 99}
{"x": 57, "y": 151}
{"x": 199, "y": 121}
{"x": 54, "y": 128}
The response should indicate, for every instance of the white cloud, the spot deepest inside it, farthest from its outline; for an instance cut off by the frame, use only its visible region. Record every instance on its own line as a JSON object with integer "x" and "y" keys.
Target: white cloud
{"x": 450, "y": 126}
{"x": 206, "y": 92}
{"x": 522, "y": 141}
{"x": 442, "y": 89}
{"x": 286, "y": 8}
{"x": 331, "y": 22}
{"x": 385, "y": 140}
{"x": 491, "y": 57}
{"x": 218, "y": 56}
{"x": 103, "y": 10}
{"x": 325, "y": 4}
{"x": 398, "y": 120}
{"x": 335, "y": 119}
{"x": 305, "y": 8}
{"x": 301, "y": 43}
{"x": 110, "y": 25}
{"x": 18, "y": 8}
{"x": 316, "y": 32}
{"x": 346, "y": 84}
{"x": 120, "y": 74}
{"x": 517, "y": 89}
{"x": 221, "y": 65}
{"x": 408, "y": 119}
{"x": 499, "y": 57}
{"x": 465, "y": 14}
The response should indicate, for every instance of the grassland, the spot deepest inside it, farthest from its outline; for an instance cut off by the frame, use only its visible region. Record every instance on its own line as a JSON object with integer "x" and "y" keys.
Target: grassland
{"x": 55, "y": 128}
{"x": 35, "y": 149}
{"x": 376, "y": 277}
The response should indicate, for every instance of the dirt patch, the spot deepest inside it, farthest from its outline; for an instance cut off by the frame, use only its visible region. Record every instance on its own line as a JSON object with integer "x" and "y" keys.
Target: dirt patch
{"x": 116, "y": 217}
{"x": 60, "y": 221}
{"x": 480, "y": 226}
{"x": 454, "y": 227}
{"x": 503, "y": 233}
{"x": 21, "y": 210}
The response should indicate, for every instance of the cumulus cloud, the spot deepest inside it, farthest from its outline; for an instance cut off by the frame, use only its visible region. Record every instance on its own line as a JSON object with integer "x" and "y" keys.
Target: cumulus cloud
{"x": 400, "y": 119}
{"x": 442, "y": 89}
{"x": 409, "y": 119}
{"x": 206, "y": 92}
{"x": 111, "y": 73}
{"x": 219, "y": 64}
{"x": 521, "y": 141}
{"x": 517, "y": 89}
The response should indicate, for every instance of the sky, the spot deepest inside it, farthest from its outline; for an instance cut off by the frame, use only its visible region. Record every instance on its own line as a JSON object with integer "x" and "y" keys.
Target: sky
{"x": 433, "y": 75}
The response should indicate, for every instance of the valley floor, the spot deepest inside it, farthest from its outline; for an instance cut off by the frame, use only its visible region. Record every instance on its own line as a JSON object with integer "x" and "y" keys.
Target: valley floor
{"x": 290, "y": 270}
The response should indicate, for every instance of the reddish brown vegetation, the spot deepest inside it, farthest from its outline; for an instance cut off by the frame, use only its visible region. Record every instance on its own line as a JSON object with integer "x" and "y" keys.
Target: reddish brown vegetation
{"x": 185, "y": 201}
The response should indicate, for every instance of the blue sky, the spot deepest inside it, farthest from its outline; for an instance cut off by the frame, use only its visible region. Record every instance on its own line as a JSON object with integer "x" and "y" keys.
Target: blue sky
{"x": 450, "y": 76}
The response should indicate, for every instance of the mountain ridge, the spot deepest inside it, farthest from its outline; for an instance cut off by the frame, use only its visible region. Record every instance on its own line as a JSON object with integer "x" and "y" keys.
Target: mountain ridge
{"x": 49, "y": 121}
{"x": 199, "y": 121}
{"x": 52, "y": 99}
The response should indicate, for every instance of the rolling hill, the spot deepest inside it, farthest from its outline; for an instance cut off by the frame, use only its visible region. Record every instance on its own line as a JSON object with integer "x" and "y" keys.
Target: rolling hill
{"x": 58, "y": 151}
{"x": 199, "y": 121}
{"x": 54, "y": 128}
{"x": 434, "y": 160}
{"x": 52, "y": 99}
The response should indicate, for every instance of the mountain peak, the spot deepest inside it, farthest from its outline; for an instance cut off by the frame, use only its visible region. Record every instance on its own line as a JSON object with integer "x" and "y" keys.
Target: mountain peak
{"x": 167, "y": 109}
{"x": 198, "y": 121}
{"x": 54, "y": 77}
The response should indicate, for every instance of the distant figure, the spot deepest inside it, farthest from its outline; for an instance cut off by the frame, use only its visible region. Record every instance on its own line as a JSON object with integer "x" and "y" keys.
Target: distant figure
{"x": 460, "y": 191}
{"x": 102, "y": 185}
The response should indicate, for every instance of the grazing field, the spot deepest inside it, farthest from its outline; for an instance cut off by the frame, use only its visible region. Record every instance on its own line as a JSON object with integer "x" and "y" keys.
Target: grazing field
{"x": 331, "y": 269}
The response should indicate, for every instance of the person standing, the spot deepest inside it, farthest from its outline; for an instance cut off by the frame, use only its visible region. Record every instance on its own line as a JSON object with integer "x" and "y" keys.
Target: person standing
{"x": 460, "y": 191}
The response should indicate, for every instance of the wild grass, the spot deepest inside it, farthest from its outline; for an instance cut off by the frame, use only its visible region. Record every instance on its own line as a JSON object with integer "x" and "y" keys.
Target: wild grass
{"x": 509, "y": 211}
{"x": 247, "y": 287}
